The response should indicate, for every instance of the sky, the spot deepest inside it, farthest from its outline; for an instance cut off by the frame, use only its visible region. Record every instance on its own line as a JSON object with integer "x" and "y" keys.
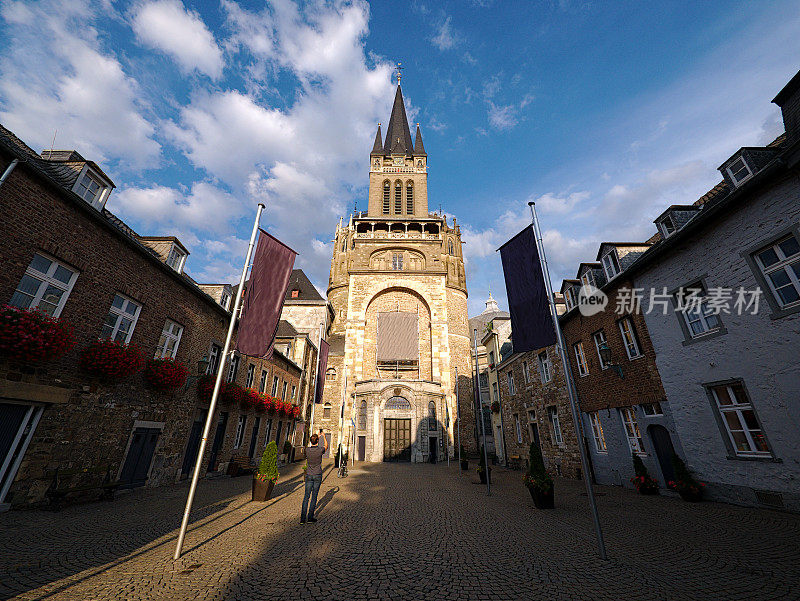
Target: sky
{"x": 602, "y": 113}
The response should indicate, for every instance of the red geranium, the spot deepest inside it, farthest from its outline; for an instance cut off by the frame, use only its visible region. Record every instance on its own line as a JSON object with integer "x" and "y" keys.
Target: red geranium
{"x": 250, "y": 400}
{"x": 205, "y": 387}
{"x": 165, "y": 374}
{"x": 30, "y": 336}
{"x": 232, "y": 394}
{"x": 111, "y": 360}
{"x": 268, "y": 402}
{"x": 296, "y": 411}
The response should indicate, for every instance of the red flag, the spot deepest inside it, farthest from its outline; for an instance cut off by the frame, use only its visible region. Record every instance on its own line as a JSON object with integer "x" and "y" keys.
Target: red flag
{"x": 263, "y": 301}
{"x": 323, "y": 365}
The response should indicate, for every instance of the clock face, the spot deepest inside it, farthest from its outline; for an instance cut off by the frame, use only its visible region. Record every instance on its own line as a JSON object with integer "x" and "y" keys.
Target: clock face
{"x": 399, "y": 161}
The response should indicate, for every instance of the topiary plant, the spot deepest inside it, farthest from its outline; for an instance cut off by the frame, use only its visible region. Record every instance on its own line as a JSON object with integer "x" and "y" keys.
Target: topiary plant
{"x": 268, "y": 468}
{"x": 642, "y": 480}
{"x": 537, "y": 476}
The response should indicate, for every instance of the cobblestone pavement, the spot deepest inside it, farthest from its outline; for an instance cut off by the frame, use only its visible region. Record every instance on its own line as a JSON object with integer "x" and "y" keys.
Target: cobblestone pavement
{"x": 399, "y": 531}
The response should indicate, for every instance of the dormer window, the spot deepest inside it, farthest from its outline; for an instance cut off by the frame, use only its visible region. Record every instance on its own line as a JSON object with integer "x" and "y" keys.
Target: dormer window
{"x": 225, "y": 301}
{"x": 611, "y": 264}
{"x": 176, "y": 258}
{"x": 739, "y": 171}
{"x": 90, "y": 187}
{"x": 570, "y": 299}
{"x": 667, "y": 226}
{"x": 587, "y": 279}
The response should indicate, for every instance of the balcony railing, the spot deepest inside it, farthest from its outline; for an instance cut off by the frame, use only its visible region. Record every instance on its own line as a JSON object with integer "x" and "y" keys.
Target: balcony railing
{"x": 398, "y": 235}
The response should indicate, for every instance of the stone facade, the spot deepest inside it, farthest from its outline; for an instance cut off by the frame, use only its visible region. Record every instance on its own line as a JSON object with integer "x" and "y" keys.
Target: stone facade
{"x": 396, "y": 257}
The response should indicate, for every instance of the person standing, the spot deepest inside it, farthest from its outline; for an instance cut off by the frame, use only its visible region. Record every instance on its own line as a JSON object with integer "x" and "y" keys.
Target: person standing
{"x": 314, "y": 455}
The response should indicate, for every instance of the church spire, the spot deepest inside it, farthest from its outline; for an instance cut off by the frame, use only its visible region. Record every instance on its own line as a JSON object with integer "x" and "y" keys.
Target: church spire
{"x": 418, "y": 146}
{"x": 377, "y": 147}
{"x": 398, "y": 136}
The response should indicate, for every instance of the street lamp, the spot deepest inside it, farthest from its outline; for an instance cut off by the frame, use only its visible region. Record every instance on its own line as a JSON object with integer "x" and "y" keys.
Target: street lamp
{"x": 608, "y": 359}
{"x": 202, "y": 366}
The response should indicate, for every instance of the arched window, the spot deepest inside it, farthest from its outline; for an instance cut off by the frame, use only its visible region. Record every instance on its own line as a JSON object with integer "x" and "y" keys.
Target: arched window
{"x": 387, "y": 197}
{"x": 326, "y": 411}
{"x": 398, "y": 198}
{"x": 330, "y": 373}
{"x": 451, "y": 248}
{"x": 344, "y": 244}
{"x": 409, "y": 198}
{"x": 431, "y": 416}
{"x": 398, "y": 403}
{"x": 362, "y": 416}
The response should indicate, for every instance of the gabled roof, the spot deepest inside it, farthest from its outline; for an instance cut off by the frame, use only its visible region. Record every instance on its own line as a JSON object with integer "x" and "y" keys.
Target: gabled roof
{"x": 604, "y": 245}
{"x": 398, "y": 136}
{"x": 568, "y": 284}
{"x": 307, "y": 292}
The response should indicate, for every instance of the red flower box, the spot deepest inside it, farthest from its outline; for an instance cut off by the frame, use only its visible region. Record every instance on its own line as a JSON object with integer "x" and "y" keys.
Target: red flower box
{"x": 231, "y": 394}
{"x": 296, "y": 411}
{"x": 111, "y": 360}
{"x": 31, "y": 336}
{"x": 205, "y": 387}
{"x": 250, "y": 400}
{"x": 165, "y": 374}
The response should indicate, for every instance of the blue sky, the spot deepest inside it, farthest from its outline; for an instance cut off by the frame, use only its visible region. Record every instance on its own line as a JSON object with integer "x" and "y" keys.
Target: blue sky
{"x": 604, "y": 113}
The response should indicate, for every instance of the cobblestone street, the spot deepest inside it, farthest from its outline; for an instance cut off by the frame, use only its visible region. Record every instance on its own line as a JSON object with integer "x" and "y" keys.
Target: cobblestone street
{"x": 399, "y": 531}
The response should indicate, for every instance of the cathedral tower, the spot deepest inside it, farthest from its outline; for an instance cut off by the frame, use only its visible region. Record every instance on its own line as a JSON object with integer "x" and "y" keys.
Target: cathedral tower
{"x": 399, "y": 333}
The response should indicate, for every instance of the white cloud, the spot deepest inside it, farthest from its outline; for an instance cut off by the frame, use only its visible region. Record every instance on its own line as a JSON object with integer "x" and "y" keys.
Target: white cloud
{"x": 54, "y": 76}
{"x": 446, "y": 38}
{"x": 560, "y": 204}
{"x": 167, "y": 26}
{"x": 502, "y": 117}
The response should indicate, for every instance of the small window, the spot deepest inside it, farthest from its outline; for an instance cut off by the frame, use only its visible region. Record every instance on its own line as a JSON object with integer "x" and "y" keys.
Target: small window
{"x": 695, "y": 310}
{"x": 176, "y": 258}
{"x": 635, "y": 442}
{"x": 295, "y": 293}
{"x": 251, "y": 375}
{"x": 362, "y": 416}
{"x": 667, "y": 226}
{"x": 451, "y": 248}
{"x": 387, "y": 198}
{"x": 544, "y": 367}
{"x": 491, "y": 359}
{"x": 494, "y": 392}
{"x": 169, "y": 341}
{"x": 580, "y": 359}
{"x": 552, "y": 413}
{"x": 533, "y": 427}
{"x": 90, "y": 188}
{"x": 525, "y": 375}
{"x": 518, "y": 427}
{"x": 651, "y": 409}
{"x": 611, "y": 264}
{"x": 326, "y": 411}
{"x": 780, "y": 265}
{"x": 397, "y": 261}
{"x": 233, "y": 369}
{"x": 629, "y": 338}
{"x": 213, "y": 358}
{"x": 431, "y": 415}
{"x": 599, "y": 341}
{"x": 587, "y": 279}
{"x": 739, "y": 171}
{"x": 240, "y": 427}
{"x": 275, "y": 381}
{"x": 398, "y": 198}
{"x": 409, "y": 198}
{"x": 121, "y": 319}
{"x": 46, "y": 285}
{"x": 740, "y": 421}
{"x": 511, "y": 388}
{"x": 597, "y": 433}
{"x": 225, "y": 300}
{"x": 262, "y": 385}
{"x": 285, "y": 390}
{"x": 269, "y": 431}
{"x": 294, "y": 390}
{"x": 570, "y": 298}
{"x": 330, "y": 374}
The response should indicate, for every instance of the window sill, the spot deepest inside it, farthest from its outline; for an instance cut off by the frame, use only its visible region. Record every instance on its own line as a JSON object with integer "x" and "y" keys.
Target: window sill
{"x": 780, "y": 313}
{"x": 706, "y": 336}
{"x": 636, "y": 357}
{"x": 765, "y": 459}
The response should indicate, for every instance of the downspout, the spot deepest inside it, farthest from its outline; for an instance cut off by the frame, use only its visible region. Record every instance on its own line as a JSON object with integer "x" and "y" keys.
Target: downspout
{"x": 8, "y": 171}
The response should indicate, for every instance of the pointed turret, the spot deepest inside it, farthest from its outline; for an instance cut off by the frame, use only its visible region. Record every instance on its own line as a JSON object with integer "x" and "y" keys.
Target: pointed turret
{"x": 377, "y": 147}
{"x": 419, "y": 148}
{"x": 398, "y": 136}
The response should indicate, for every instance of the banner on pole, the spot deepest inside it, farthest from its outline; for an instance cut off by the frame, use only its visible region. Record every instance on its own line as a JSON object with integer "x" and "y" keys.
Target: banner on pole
{"x": 531, "y": 320}
{"x": 323, "y": 365}
{"x": 264, "y": 296}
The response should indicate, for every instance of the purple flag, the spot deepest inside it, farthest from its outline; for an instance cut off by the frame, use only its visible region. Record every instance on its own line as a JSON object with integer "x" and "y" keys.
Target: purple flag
{"x": 323, "y": 365}
{"x": 263, "y": 301}
{"x": 531, "y": 320}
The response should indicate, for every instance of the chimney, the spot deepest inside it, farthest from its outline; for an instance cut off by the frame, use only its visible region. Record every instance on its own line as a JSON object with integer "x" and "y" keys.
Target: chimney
{"x": 789, "y": 101}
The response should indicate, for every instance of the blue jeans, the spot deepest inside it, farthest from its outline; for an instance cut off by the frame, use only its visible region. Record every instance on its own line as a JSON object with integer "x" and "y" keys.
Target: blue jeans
{"x": 312, "y": 488}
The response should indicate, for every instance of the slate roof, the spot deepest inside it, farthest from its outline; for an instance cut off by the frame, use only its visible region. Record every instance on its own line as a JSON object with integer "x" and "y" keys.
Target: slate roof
{"x": 377, "y": 147}
{"x": 419, "y": 148}
{"x": 398, "y": 136}
{"x": 298, "y": 280}
{"x": 285, "y": 330}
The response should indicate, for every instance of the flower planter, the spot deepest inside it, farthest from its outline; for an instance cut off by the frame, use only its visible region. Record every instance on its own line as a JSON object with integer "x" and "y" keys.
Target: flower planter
{"x": 464, "y": 464}
{"x": 111, "y": 361}
{"x": 31, "y": 336}
{"x": 542, "y": 499}
{"x": 262, "y": 491}
{"x": 165, "y": 374}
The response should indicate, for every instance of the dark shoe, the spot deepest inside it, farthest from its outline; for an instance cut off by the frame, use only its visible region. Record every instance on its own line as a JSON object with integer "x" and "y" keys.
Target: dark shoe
{"x": 312, "y": 520}
{"x": 302, "y": 520}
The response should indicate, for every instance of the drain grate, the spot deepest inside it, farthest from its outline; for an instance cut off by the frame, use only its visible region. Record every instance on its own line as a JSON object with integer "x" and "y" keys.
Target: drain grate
{"x": 770, "y": 499}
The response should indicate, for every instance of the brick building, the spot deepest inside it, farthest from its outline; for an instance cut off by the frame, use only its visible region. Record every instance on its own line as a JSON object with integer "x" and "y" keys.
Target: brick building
{"x": 63, "y": 252}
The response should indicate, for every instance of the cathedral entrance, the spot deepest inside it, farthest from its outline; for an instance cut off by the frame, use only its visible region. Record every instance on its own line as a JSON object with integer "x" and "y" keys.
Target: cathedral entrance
{"x": 397, "y": 439}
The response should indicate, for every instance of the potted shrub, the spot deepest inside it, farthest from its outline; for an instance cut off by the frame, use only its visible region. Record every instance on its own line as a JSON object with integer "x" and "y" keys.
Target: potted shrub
{"x": 642, "y": 480}
{"x": 688, "y": 488}
{"x": 32, "y": 336}
{"x": 266, "y": 476}
{"x": 482, "y": 470}
{"x": 538, "y": 481}
{"x": 165, "y": 374}
{"x": 111, "y": 360}
{"x": 464, "y": 460}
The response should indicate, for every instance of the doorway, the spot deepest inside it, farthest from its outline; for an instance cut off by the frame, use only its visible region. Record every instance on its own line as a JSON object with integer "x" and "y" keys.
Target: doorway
{"x": 327, "y": 452}
{"x": 662, "y": 443}
{"x": 192, "y": 446}
{"x": 362, "y": 448}
{"x": 17, "y": 424}
{"x": 254, "y": 438}
{"x": 219, "y": 437}
{"x": 396, "y": 439}
{"x": 433, "y": 447}
{"x": 140, "y": 456}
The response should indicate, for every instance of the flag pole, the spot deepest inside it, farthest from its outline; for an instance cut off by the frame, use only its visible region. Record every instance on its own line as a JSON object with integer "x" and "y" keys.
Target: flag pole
{"x": 217, "y": 385}
{"x": 480, "y": 416}
{"x": 458, "y": 419}
{"x": 573, "y": 401}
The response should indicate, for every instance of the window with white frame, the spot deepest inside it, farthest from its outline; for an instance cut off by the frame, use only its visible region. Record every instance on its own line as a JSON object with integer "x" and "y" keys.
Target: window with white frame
{"x": 632, "y": 433}
{"x": 169, "y": 341}
{"x": 176, "y": 258}
{"x": 214, "y": 352}
{"x": 269, "y": 431}
{"x": 739, "y": 171}
{"x": 599, "y": 341}
{"x": 240, "y": 427}
{"x": 525, "y": 375}
{"x": 262, "y": 385}
{"x": 251, "y": 375}
{"x": 611, "y": 264}
{"x": 555, "y": 424}
{"x": 545, "y": 367}
{"x": 511, "y": 388}
{"x": 532, "y": 425}
{"x": 651, "y": 409}
{"x": 121, "y": 319}
{"x": 275, "y": 381}
{"x": 294, "y": 390}
{"x": 629, "y": 338}
{"x": 580, "y": 359}
{"x": 326, "y": 411}
{"x": 597, "y": 433}
{"x": 780, "y": 265}
{"x": 225, "y": 301}
{"x": 739, "y": 418}
{"x": 518, "y": 427}
{"x": 285, "y": 389}
{"x": 587, "y": 279}
{"x": 46, "y": 285}
{"x": 233, "y": 369}
{"x": 696, "y": 311}
{"x": 667, "y": 226}
{"x": 90, "y": 188}
{"x": 397, "y": 261}
{"x": 571, "y": 298}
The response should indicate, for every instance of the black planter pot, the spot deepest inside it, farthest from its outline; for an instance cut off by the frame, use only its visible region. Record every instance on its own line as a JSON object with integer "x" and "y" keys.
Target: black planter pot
{"x": 262, "y": 491}
{"x": 542, "y": 500}
{"x": 482, "y": 475}
{"x": 464, "y": 464}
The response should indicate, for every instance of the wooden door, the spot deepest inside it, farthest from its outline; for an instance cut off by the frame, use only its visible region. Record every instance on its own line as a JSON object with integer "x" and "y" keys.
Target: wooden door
{"x": 254, "y": 437}
{"x": 362, "y": 448}
{"x": 139, "y": 458}
{"x": 219, "y": 437}
{"x": 192, "y": 446}
{"x": 397, "y": 440}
